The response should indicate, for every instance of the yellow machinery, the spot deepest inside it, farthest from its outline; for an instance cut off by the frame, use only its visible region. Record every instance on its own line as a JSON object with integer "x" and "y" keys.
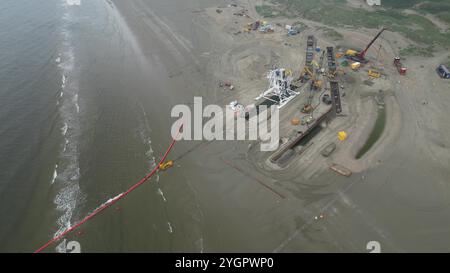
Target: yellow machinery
{"x": 288, "y": 72}
{"x": 355, "y": 65}
{"x": 166, "y": 165}
{"x": 339, "y": 71}
{"x": 317, "y": 84}
{"x": 374, "y": 74}
{"x": 351, "y": 52}
{"x": 308, "y": 72}
{"x": 342, "y": 135}
{"x": 307, "y": 108}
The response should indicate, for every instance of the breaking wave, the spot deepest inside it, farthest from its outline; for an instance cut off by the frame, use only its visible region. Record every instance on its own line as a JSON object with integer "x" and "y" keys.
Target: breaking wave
{"x": 67, "y": 171}
{"x": 73, "y": 2}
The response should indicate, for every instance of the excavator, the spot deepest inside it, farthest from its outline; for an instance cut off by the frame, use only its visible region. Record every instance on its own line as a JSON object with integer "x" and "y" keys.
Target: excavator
{"x": 308, "y": 75}
{"x": 315, "y": 85}
{"x": 360, "y": 56}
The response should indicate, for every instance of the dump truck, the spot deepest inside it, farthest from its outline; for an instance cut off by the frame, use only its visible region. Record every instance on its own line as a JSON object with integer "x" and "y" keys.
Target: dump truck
{"x": 400, "y": 68}
{"x": 443, "y": 71}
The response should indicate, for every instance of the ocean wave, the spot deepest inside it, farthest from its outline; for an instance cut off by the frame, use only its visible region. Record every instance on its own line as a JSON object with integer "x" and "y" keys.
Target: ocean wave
{"x": 170, "y": 229}
{"x": 75, "y": 100}
{"x": 73, "y": 2}
{"x": 108, "y": 201}
{"x": 66, "y": 142}
{"x": 69, "y": 195}
{"x": 55, "y": 173}
{"x": 63, "y": 85}
{"x": 66, "y": 201}
{"x": 144, "y": 133}
{"x": 64, "y": 129}
{"x": 160, "y": 192}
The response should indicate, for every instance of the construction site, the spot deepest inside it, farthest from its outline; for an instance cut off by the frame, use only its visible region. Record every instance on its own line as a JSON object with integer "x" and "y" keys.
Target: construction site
{"x": 353, "y": 110}
{"x": 320, "y": 88}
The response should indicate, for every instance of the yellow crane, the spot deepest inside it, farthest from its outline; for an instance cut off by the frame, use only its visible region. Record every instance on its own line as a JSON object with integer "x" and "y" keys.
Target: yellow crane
{"x": 317, "y": 84}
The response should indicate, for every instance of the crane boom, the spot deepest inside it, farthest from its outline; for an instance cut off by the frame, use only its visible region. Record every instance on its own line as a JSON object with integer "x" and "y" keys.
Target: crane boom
{"x": 362, "y": 54}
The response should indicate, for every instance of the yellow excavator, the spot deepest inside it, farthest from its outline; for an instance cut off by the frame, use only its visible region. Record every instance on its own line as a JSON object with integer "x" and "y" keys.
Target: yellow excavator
{"x": 317, "y": 84}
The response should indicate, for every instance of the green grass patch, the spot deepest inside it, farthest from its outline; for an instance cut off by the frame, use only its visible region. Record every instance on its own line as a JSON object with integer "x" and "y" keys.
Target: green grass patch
{"x": 439, "y": 9}
{"x": 332, "y": 34}
{"x": 405, "y": 4}
{"x": 266, "y": 11}
{"x": 444, "y": 16}
{"x": 400, "y": 4}
{"x": 415, "y": 27}
{"x": 416, "y": 51}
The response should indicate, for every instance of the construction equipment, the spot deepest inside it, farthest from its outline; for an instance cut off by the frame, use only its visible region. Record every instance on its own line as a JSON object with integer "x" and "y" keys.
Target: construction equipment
{"x": 374, "y": 73}
{"x": 166, "y": 165}
{"x": 307, "y": 108}
{"x": 443, "y": 71}
{"x": 336, "y": 96}
{"x": 327, "y": 99}
{"x": 360, "y": 56}
{"x": 310, "y": 51}
{"x": 331, "y": 62}
{"x": 279, "y": 91}
{"x": 351, "y": 52}
{"x": 400, "y": 68}
{"x": 355, "y": 65}
{"x": 307, "y": 120}
{"x": 307, "y": 74}
{"x": 342, "y": 135}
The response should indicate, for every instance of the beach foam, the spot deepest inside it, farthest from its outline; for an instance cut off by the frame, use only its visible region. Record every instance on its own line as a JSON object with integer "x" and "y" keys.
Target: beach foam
{"x": 160, "y": 192}
{"x": 55, "y": 174}
{"x": 73, "y": 2}
{"x": 68, "y": 194}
